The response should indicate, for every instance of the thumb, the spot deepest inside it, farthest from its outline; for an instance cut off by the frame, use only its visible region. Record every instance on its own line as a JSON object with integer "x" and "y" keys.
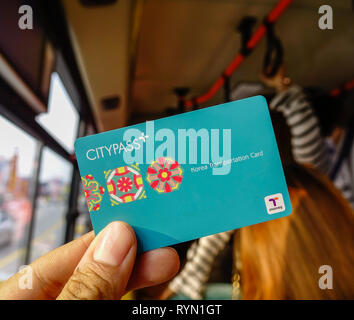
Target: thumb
{"x": 105, "y": 268}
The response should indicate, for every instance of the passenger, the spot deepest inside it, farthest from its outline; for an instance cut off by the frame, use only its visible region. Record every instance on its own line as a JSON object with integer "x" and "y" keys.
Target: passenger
{"x": 281, "y": 259}
{"x": 307, "y": 146}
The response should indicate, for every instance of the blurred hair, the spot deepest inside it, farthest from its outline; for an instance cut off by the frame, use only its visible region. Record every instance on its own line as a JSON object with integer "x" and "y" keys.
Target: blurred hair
{"x": 283, "y": 136}
{"x": 346, "y": 118}
{"x": 281, "y": 258}
{"x": 332, "y": 111}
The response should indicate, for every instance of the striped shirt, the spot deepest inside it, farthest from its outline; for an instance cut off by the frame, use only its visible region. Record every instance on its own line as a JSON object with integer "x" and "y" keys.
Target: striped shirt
{"x": 307, "y": 144}
{"x": 308, "y": 147}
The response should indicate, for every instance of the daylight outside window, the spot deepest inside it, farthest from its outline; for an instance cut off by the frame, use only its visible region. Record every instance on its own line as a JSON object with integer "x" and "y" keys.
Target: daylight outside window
{"x": 17, "y": 156}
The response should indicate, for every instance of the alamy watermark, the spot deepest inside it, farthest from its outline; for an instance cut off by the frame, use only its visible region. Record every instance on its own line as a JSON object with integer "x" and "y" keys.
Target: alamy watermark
{"x": 326, "y": 19}
{"x": 25, "y": 281}
{"x": 190, "y": 146}
{"x": 326, "y": 281}
{"x": 25, "y": 22}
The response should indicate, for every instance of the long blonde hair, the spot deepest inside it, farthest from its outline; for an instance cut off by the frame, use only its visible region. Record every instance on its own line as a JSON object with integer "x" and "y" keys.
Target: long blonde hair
{"x": 281, "y": 258}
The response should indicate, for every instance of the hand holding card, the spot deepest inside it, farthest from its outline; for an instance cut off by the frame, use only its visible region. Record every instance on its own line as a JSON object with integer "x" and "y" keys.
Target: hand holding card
{"x": 186, "y": 176}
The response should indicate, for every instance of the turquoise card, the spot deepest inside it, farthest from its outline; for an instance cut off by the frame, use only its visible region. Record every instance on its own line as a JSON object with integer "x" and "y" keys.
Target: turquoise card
{"x": 187, "y": 176}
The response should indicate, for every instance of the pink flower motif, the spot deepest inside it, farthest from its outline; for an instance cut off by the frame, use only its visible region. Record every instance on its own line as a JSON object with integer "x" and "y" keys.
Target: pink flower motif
{"x": 164, "y": 175}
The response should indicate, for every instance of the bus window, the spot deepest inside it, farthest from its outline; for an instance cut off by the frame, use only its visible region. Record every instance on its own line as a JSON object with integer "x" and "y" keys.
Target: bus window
{"x": 51, "y": 207}
{"x": 17, "y": 156}
{"x": 62, "y": 119}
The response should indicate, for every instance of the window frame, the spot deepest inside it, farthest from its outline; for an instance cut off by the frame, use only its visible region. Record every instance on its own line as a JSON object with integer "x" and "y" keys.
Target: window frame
{"x": 15, "y": 110}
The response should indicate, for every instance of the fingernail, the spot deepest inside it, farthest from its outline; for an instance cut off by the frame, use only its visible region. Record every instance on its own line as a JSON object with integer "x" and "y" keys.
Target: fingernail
{"x": 113, "y": 244}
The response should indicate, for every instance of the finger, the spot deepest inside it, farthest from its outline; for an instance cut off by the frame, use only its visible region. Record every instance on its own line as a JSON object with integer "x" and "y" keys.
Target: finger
{"x": 49, "y": 272}
{"x": 154, "y": 267}
{"x": 105, "y": 269}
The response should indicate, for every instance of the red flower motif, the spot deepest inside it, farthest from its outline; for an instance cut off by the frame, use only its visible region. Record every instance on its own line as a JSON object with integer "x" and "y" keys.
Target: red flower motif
{"x": 164, "y": 174}
{"x": 124, "y": 184}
